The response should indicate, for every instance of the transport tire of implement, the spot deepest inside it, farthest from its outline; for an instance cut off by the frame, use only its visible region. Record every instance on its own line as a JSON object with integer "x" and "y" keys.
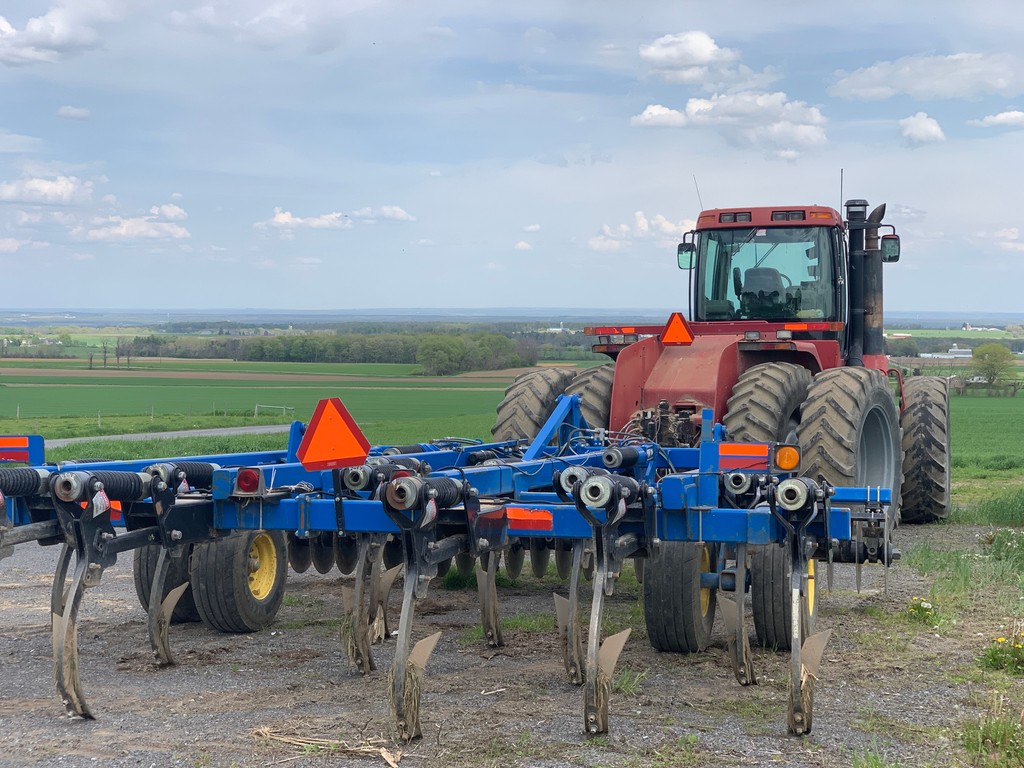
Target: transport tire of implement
{"x": 678, "y": 613}
{"x": 143, "y": 568}
{"x": 765, "y": 407}
{"x": 850, "y": 431}
{"x": 239, "y": 580}
{"x": 528, "y": 402}
{"x": 770, "y": 568}
{"x": 594, "y": 387}
{"x": 925, "y": 423}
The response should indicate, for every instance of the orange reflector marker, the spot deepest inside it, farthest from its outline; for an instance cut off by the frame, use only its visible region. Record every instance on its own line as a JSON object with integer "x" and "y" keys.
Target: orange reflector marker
{"x": 742, "y": 456}
{"x": 522, "y": 519}
{"x": 332, "y": 438}
{"x": 14, "y": 449}
{"x": 787, "y": 458}
{"x": 676, "y": 331}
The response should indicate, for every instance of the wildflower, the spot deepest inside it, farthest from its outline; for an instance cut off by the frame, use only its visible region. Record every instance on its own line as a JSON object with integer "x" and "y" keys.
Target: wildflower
{"x": 1000, "y": 639}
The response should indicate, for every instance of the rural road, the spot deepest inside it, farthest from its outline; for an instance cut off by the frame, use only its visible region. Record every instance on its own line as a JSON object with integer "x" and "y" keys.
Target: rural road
{"x": 257, "y": 430}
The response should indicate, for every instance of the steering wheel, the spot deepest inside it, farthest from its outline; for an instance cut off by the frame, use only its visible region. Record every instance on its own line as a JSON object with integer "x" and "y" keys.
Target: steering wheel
{"x": 737, "y": 282}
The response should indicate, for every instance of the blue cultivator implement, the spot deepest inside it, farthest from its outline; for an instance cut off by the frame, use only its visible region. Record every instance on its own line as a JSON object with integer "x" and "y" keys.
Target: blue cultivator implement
{"x": 696, "y": 516}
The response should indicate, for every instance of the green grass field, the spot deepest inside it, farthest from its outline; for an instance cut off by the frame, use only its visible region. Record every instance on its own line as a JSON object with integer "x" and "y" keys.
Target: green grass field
{"x": 391, "y": 403}
{"x": 953, "y": 333}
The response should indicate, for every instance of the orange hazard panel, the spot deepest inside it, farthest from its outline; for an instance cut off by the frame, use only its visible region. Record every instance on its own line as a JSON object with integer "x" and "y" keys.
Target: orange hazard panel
{"x": 522, "y": 519}
{"x": 332, "y": 438}
{"x": 676, "y": 331}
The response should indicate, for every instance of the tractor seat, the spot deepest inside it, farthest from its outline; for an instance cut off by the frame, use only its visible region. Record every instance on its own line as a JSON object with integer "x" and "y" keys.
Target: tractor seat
{"x": 764, "y": 281}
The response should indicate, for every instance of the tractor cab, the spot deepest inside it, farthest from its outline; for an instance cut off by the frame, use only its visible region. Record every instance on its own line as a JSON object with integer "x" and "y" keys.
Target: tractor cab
{"x": 765, "y": 264}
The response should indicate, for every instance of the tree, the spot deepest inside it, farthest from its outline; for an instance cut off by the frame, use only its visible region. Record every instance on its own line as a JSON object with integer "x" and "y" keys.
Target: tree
{"x": 993, "y": 362}
{"x": 902, "y": 347}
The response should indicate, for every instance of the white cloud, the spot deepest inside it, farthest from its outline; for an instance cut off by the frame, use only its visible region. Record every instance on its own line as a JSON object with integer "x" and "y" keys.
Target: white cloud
{"x": 658, "y": 227}
{"x": 522, "y": 245}
{"x": 685, "y": 57}
{"x": 169, "y": 212}
{"x": 307, "y": 260}
{"x": 764, "y": 120}
{"x": 13, "y": 142}
{"x": 25, "y": 218}
{"x": 176, "y": 195}
{"x": 424, "y": 242}
{"x": 62, "y": 190}
{"x": 384, "y": 213}
{"x": 74, "y": 113}
{"x": 532, "y": 228}
{"x": 1012, "y": 119}
{"x": 1007, "y": 239}
{"x": 136, "y": 228}
{"x": 958, "y": 76}
{"x": 659, "y": 116}
{"x": 83, "y": 256}
{"x": 270, "y": 25}
{"x": 694, "y": 58}
{"x": 10, "y": 245}
{"x": 61, "y": 32}
{"x": 286, "y": 221}
{"x": 919, "y": 129}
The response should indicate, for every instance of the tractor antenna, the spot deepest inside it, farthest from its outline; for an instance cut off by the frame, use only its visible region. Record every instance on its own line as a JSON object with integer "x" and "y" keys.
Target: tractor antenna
{"x": 697, "y": 187}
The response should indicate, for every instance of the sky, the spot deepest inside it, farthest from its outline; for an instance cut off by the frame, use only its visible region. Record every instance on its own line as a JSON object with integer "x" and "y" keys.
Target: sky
{"x": 329, "y": 155}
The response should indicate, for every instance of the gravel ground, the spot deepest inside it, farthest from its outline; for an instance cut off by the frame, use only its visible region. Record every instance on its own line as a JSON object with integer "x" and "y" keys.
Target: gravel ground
{"x": 885, "y": 684}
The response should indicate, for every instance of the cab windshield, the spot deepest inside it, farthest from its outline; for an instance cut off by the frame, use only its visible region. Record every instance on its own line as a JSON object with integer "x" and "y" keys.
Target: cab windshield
{"x": 766, "y": 273}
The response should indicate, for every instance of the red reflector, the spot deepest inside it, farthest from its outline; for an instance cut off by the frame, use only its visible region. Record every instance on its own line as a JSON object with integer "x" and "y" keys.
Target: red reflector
{"x": 248, "y": 480}
{"x": 676, "y": 331}
{"x": 521, "y": 519}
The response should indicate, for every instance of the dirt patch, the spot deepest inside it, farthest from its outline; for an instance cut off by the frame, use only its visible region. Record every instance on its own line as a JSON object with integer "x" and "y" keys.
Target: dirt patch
{"x": 887, "y": 685}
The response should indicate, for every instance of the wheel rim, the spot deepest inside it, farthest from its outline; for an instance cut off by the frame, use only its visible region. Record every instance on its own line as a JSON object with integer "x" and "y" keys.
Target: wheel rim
{"x": 705, "y": 593}
{"x": 262, "y": 566}
{"x": 875, "y": 452}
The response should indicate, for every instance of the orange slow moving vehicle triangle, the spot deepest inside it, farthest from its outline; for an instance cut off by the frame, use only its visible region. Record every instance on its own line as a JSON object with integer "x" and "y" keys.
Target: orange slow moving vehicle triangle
{"x": 676, "y": 331}
{"x": 332, "y": 438}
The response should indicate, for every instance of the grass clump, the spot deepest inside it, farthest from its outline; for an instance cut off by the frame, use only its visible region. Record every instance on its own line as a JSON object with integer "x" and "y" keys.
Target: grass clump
{"x": 1006, "y": 652}
{"x": 629, "y": 682}
{"x": 996, "y": 739}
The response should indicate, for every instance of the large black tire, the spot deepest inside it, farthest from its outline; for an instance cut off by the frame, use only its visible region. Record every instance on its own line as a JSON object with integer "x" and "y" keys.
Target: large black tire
{"x": 765, "y": 403}
{"x": 594, "y": 387}
{"x": 529, "y": 401}
{"x": 239, "y": 581}
{"x": 678, "y": 613}
{"x": 143, "y": 568}
{"x": 925, "y": 423}
{"x": 850, "y": 431}
{"x": 770, "y": 567}
{"x": 765, "y": 407}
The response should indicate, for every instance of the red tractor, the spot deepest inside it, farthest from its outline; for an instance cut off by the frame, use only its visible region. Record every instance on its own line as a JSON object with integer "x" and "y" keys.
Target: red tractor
{"x": 785, "y": 343}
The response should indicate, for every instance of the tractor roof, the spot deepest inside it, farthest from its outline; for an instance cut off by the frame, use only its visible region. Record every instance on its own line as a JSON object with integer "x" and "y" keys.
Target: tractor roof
{"x": 773, "y": 216}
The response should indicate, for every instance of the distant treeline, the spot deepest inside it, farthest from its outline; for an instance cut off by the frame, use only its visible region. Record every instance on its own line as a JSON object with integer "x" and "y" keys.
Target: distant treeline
{"x": 439, "y": 354}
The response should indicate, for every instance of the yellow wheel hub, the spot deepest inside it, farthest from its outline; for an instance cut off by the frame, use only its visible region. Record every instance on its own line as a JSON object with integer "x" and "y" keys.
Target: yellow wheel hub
{"x": 705, "y": 593}
{"x": 262, "y": 566}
